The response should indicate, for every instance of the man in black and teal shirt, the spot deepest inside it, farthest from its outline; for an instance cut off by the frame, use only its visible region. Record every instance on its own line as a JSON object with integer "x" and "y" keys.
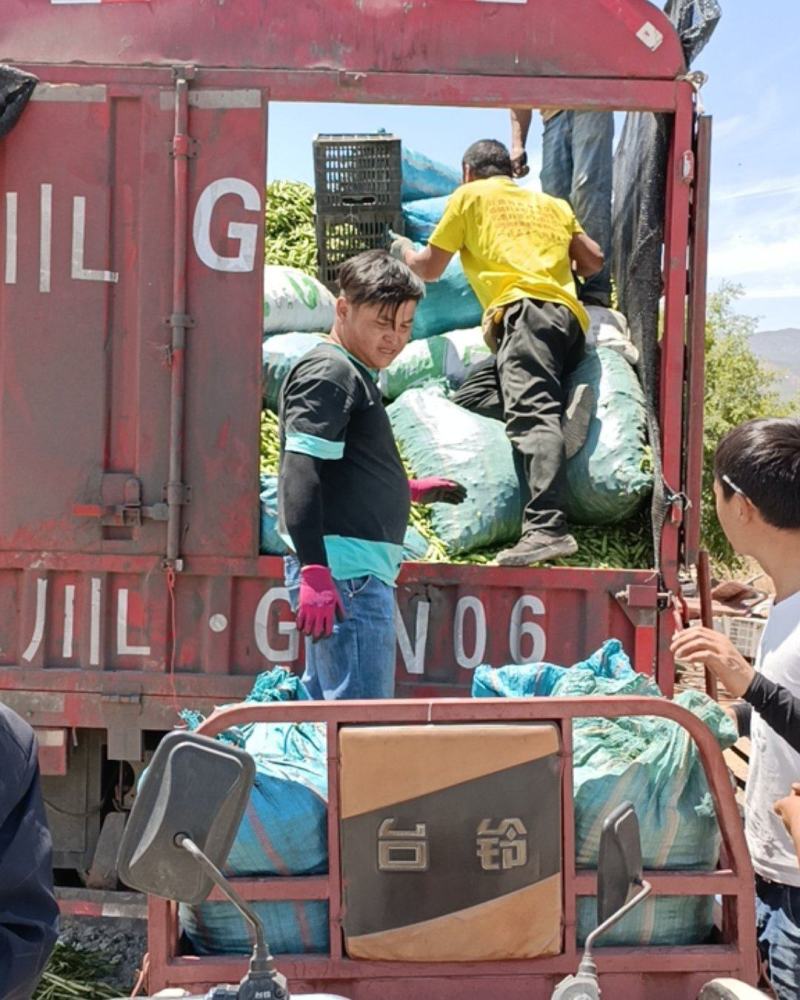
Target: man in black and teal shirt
{"x": 343, "y": 494}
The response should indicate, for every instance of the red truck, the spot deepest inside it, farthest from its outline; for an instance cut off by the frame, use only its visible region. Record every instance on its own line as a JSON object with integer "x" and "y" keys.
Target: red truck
{"x": 131, "y": 234}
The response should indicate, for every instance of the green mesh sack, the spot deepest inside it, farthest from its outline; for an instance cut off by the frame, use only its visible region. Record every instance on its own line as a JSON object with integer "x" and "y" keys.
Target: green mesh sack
{"x": 439, "y": 438}
{"x": 609, "y": 478}
{"x": 420, "y": 362}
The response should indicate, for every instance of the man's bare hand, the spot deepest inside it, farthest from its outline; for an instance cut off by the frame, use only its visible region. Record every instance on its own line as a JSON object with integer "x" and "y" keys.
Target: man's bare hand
{"x": 788, "y": 808}
{"x": 707, "y": 648}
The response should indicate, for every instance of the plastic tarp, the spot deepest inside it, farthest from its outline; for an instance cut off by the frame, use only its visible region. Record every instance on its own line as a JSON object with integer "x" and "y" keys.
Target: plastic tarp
{"x": 16, "y": 88}
{"x": 426, "y": 178}
{"x": 296, "y": 302}
{"x": 284, "y": 831}
{"x": 640, "y": 177}
{"x": 650, "y": 761}
{"x": 695, "y": 21}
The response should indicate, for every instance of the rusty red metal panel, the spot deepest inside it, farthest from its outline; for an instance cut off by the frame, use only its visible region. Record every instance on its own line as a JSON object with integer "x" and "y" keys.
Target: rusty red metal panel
{"x": 53, "y": 744}
{"x": 225, "y": 299}
{"x": 69, "y": 328}
{"x": 114, "y": 619}
{"x": 600, "y": 38}
{"x": 85, "y": 339}
{"x": 696, "y": 324}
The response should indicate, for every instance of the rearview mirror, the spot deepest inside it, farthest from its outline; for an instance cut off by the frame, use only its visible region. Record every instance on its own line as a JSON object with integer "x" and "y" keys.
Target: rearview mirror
{"x": 193, "y": 786}
{"x": 619, "y": 865}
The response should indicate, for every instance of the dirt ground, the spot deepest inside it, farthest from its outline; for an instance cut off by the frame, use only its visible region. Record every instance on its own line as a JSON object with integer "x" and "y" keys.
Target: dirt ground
{"x": 120, "y": 943}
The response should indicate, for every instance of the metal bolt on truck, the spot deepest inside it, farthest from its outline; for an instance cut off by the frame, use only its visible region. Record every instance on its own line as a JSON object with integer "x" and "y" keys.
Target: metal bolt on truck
{"x": 131, "y": 234}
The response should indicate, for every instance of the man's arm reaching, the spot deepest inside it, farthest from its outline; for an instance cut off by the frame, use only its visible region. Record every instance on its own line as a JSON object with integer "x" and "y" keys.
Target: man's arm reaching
{"x": 428, "y": 263}
{"x": 586, "y": 255}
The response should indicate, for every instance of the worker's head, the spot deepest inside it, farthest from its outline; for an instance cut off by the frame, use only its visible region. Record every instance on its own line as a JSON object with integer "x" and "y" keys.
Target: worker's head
{"x": 757, "y": 484}
{"x": 375, "y": 308}
{"x": 486, "y": 158}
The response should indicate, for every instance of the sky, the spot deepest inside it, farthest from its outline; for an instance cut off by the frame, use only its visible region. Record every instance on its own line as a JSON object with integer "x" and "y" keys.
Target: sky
{"x": 751, "y": 62}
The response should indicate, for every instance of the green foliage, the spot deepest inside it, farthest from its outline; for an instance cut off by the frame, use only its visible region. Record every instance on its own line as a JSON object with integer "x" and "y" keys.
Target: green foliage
{"x": 74, "y": 974}
{"x": 289, "y": 237}
{"x": 737, "y": 388}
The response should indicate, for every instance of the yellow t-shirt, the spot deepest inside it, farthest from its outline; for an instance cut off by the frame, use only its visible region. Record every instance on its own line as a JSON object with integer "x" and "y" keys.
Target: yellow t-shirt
{"x": 514, "y": 243}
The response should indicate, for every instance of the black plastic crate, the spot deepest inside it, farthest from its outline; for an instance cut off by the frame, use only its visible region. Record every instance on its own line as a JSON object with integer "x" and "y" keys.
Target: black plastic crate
{"x": 357, "y": 171}
{"x": 340, "y": 237}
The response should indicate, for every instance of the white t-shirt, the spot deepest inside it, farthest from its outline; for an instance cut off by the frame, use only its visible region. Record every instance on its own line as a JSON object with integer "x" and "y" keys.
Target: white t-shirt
{"x": 774, "y": 765}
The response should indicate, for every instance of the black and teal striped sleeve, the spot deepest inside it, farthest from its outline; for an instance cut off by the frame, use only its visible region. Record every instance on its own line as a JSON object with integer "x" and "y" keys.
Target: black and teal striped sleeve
{"x": 315, "y": 409}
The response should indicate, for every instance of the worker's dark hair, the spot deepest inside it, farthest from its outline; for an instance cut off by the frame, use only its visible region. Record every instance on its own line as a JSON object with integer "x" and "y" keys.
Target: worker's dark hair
{"x": 762, "y": 459}
{"x": 488, "y": 158}
{"x": 374, "y": 277}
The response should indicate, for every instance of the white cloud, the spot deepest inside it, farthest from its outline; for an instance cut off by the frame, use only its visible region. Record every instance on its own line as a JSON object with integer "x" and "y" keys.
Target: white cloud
{"x": 771, "y": 187}
{"x": 749, "y": 253}
{"x": 785, "y": 291}
{"x": 730, "y": 127}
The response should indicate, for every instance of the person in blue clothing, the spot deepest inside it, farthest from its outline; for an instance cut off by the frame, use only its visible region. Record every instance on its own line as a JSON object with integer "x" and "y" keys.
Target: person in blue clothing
{"x": 577, "y": 165}
{"x": 28, "y": 909}
{"x": 343, "y": 495}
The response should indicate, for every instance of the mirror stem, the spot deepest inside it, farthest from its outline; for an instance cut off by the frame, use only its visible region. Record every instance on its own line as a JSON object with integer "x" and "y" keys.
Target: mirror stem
{"x": 587, "y": 962}
{"x": 262, "y": 960}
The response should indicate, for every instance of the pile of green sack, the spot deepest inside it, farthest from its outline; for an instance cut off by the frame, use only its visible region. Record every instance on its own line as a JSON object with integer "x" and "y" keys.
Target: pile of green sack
{"x": 609, "y": 479}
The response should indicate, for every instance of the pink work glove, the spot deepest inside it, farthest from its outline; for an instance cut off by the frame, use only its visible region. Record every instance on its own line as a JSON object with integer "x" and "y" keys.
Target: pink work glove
{"x": 434, "y": 489}
{"x": 319, "y": 602}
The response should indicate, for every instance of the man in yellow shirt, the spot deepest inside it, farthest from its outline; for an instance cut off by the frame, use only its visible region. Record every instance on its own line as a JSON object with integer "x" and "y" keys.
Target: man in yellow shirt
{"x": 518, "y": 249}
{"x": 577, "y": 165}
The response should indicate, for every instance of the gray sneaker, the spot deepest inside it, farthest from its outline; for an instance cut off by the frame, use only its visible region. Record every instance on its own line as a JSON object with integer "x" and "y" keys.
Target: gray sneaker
{"x": 577, "y": 417}
{"x": 536, "y": 547}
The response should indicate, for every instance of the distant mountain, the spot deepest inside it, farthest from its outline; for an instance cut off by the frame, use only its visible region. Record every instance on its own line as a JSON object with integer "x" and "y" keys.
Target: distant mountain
{"x": 780, "y": 352}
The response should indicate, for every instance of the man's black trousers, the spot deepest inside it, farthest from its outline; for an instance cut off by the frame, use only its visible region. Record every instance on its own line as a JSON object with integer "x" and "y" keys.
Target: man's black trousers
{"x": 541, "y": 343}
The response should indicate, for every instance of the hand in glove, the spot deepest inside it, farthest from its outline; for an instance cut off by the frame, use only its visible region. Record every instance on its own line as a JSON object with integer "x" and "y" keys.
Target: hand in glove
{"x": 399, "y": 245}
{"x": 319, "y": 602}
{"x": 434, "y": 489}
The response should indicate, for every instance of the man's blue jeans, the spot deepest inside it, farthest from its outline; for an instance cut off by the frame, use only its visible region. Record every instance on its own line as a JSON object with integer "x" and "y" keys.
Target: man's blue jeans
{"x": 358, "y": 660}
{"x": 577, "y": 165}
{"x": 778, "y": 930}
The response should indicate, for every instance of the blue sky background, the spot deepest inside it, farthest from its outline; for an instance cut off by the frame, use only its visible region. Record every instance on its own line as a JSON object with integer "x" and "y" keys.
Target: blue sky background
{"x": 752, "y": 64}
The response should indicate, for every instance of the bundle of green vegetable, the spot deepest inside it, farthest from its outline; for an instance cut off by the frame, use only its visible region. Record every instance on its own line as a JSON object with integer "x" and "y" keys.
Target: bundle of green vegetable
{"x": 289, "y": 237}
{"x": 74, "y": 974}
{"x": 623, "y": 546}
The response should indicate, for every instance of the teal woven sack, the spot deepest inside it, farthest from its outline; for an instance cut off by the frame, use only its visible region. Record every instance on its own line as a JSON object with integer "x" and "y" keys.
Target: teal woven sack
{"x": 449, "y": 304}
{"x": 422, "y": 216}
{"x": 421, "y": 362}
{"x": 284, "y": 830}
{"x": 426, "y": 178}
{"x": 279, "y": 354}
{"x": 609, "y": 478}
{"x": 439, "y": 438}
{"x": 649, "y": 761}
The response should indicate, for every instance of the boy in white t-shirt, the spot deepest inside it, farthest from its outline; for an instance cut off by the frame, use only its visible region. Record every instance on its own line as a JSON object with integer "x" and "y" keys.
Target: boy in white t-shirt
{"x": 757, "y": 486}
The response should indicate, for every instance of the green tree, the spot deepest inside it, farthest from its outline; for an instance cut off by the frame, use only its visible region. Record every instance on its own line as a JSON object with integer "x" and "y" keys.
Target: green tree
{"x": 737, "y": 388}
